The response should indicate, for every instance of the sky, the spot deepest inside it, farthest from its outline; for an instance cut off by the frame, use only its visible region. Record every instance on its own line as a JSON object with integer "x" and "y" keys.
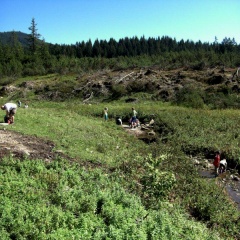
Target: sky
{"x": 71, "y": 21}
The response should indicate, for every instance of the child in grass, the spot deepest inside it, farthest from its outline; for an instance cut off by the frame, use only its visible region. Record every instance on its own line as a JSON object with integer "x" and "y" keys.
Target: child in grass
{"x": 105, "y": 113}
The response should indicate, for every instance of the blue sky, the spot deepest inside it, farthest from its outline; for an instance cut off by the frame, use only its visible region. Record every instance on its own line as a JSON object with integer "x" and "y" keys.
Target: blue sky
{"x": 71, "y": 21}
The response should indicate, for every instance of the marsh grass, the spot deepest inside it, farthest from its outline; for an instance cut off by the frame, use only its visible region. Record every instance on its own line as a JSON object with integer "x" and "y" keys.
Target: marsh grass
{"x": 80, "y": 131}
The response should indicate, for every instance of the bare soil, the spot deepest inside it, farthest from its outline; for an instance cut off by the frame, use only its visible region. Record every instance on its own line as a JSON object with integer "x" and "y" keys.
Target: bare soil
{"x": 22, "y": 146}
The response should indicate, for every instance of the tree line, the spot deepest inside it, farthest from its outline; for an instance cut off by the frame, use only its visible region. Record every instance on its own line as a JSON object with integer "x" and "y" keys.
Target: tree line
{"x": 38, "y": 57}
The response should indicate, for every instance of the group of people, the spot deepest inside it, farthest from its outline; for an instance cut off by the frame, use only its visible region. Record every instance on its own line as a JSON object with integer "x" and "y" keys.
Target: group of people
{"x": 220, "y": 165}
{"x": 11, "y": 109}
{"x": 133, "y": 122}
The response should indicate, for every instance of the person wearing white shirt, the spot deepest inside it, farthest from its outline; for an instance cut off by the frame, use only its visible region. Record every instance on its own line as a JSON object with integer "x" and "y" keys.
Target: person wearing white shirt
{"x": 11, "y": 109}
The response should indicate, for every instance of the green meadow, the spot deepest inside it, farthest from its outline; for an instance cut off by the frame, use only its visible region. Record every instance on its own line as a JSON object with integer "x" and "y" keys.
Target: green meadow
{"x": 117, "y": 186}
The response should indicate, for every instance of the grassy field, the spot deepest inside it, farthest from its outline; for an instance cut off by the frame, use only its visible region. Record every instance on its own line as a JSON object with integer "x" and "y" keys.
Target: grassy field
{"x": 137, "y": 190}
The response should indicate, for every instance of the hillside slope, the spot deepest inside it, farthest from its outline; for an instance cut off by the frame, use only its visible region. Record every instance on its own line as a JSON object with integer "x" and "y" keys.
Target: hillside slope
{"x": 157, "y": 83}
{"x": 5, "y": 37}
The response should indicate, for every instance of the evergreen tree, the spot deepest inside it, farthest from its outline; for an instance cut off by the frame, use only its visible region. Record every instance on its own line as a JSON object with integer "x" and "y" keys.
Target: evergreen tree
{"x": 16, "y": 46}
{"x": 88, "y": 49}
{"x": 112, "y": 48}
{"x": 104, "y": 48}
{"x": 79, "y": 49}
{"x": 96, "y": 50}
{"x": 121, "y": 50}
{"x": 34, "y": 37}
{"x": 144, "y": 45}
{"x": 44, "y": 55}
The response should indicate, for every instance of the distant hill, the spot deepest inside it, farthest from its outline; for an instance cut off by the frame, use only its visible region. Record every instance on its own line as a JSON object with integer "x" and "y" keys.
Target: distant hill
{"x": 5, "y": 37}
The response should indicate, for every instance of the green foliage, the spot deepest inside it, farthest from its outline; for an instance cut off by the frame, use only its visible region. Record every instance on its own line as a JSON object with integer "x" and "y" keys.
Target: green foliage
{"x": 60, "y": 200}
{"x": 130, "y": 190}
{"x": 156, "y": 182}
{"x": 189, "y": 96}
{"x": 39, "y": 199}
{"x": 112, "y": 54}
{"x": 219, "y": 100}
{"x": 118, "y": 91}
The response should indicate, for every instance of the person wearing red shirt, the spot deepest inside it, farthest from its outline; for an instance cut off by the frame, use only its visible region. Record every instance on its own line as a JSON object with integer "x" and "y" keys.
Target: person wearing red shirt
{"x": 216, "y": 162}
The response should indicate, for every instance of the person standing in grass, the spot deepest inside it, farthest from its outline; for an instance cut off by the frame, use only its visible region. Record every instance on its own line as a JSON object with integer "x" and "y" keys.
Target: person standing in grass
{"x": 10, "y": 109}
{"x": 105, "y": 113}
{"x": 216, "y": 162}
{"x": 19, "y": 103}
{"x": 134, "y": 117}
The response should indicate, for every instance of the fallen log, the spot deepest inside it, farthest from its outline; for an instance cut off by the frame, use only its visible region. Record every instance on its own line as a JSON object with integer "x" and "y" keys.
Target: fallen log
{"x": 87, "y": 99}
{"x": 119, "y": 80}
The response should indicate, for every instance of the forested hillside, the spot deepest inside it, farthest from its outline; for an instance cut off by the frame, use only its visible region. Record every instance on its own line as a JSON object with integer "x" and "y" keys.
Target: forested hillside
{"x": 6, "y": 37}
{"x": 27, "y": 54}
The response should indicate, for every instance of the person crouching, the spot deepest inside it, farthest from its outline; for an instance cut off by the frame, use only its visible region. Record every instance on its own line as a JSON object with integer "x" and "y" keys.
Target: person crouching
{"x": 11, "y": 109}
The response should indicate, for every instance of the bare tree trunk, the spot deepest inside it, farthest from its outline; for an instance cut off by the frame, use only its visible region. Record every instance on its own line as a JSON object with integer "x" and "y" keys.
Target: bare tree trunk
{"x": 119, "y": 80}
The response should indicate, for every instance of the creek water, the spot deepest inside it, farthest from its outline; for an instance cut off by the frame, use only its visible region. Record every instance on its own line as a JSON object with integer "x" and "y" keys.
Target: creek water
{"x": 232, "y": 186}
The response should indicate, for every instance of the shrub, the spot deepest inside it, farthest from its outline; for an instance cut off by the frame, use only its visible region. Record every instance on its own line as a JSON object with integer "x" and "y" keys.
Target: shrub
{"x": 157, "y": 183}
{"x": 188, "y": 96}
{"x": 118, "y": 91}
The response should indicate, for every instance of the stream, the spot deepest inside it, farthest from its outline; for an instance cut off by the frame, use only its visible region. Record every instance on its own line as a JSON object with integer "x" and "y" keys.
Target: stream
{"x": 231, "y": 182}
{"x": 206, "y": 170}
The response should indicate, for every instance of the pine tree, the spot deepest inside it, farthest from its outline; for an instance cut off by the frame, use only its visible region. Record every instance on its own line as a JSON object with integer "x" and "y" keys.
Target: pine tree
{"x": 34, "y": 37}
{"x": 16, "y": 47}
{"x": 96, "y": 50}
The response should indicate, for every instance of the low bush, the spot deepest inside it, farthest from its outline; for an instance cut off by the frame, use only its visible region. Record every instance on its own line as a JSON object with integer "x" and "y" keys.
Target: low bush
{"x": 59, "y": 200}
{"x": 188, "y": 96}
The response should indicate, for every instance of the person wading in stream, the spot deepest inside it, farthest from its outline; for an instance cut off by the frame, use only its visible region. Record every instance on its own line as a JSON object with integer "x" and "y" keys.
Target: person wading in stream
{"x": 216, "y": 162}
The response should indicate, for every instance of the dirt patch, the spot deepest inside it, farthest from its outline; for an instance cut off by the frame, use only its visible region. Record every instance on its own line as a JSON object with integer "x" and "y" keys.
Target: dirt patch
{"x": 22, "y": 146}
